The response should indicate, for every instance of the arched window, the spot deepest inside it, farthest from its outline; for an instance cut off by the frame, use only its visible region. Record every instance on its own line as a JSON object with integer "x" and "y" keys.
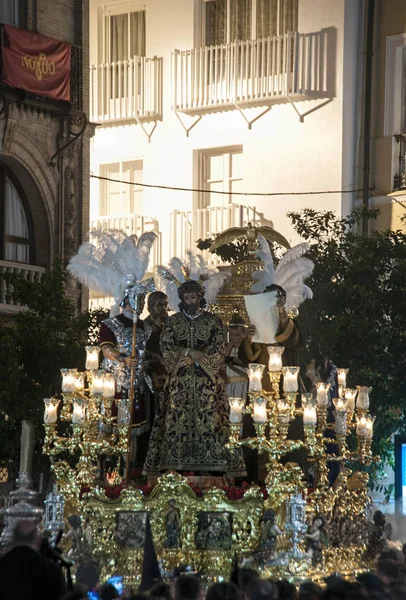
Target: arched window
{"x": 16, "y": 237}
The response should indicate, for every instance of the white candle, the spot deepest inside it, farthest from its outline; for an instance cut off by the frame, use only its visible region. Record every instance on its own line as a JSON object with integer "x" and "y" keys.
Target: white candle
{"x": 260, "y": 413}
{"x": 322, "y": 393}
{"x": 275, "y": 358}
{"x": 92, "y": 357}
{"x": 236, "y": 408}
{"x": 290, "y": 382}
{"x": 363, "y": 397}
{"x": 79, "y": 411}
{"x": 109, "y": 386}
{"x": 79, "y": 382}
{"x": 97, "y": 385}
{"x": 362, "y": 429}
{"x": 68, "y": 380}
{"x": 27, "y": 447}
{"x": 51, "y": 410}
{"x": 340, "y": 404}
{"x": 309, "y": 415}
{"x": 342, "y": 377}
{"x": 349, "y": 395}
{"x": 255, "y": 372}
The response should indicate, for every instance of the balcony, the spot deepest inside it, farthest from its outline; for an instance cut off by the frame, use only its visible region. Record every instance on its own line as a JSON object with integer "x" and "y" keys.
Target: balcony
{"x": 189, "y": 226}
{"x": 30, "y": 273}
{"x": 249, "y": 73}
{"x": 399, "y": 180}
{"x": 133, "y": 224}
{"x": 128, "y": 90}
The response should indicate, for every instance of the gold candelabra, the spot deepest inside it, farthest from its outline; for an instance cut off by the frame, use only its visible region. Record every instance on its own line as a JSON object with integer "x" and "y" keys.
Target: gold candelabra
{"x": 87, "y": 399}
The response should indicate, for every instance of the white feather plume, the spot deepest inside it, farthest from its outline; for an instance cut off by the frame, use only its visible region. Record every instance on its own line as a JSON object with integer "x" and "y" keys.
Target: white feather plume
{"x": 296, "y": 295}
{"x": 106, "y": 265}
{"x": 294, "y": 271}
{"x": 292, "y": 254}
{"x": 265, "y": 277}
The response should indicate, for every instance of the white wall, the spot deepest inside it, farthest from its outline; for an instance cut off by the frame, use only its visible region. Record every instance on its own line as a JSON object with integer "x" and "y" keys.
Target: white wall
{"x": 280, "y": 152}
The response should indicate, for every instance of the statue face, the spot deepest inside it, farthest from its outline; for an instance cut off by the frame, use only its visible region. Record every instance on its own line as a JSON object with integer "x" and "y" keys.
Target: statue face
{"x": 159, "y": 310}
{"x": 236, "y": 335}
{"x": 191, "y": 298}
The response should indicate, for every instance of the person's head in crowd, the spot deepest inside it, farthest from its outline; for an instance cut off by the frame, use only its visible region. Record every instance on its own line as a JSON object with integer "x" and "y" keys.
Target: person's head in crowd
{"x": 371, "y": 582}
{"x": 287, "y": 591}
{"x": 388, "y": 570}
{"x": 245, "y": 576}
{"x": 187, "y": 587}
{"x": 161, "y": 590}
{"x": 340, "y": 589}
{"x": 398, "y": 591}
{"x": 259, "y": 589}
{"x": 108, "y": 592}
{"x": 225, "y": 590}
{"x": 88, "y": 574}
{"x": 26, "y": 534}
{"x": 78, "y": 592}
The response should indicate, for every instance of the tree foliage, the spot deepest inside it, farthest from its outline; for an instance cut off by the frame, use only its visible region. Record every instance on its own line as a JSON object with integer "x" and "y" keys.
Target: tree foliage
{"x": 34, "y": 345}
{"x": 357, "y": 317}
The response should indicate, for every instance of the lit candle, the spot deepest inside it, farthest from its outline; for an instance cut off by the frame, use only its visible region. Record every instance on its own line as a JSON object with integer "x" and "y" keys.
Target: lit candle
{"x": 236, "y": 408}
{"x": 363, "y": 397}
{"x": 349, "y": 395}
{"x": 255, "y": 372}
{"x": 275, "y": 358}
{"x": 342, "y": 377}
{"x": 79, "y": 382}
{"x": 309, "y": 409}
{"x": 290, "y": 382}
{"x": 79, "y": 411}
{"x": 340, "y": 404}
{"x": 109, "y": 386}
{"x": 123, "y": 412}
{"x": 27, "y": 447}
{"x": 260, "y": 413}
{"x": 68, "y": 380}
{"x": 283, "y": 410}
{"x": 362, "y": 429}
{"x": 92, "y": 357}
{"x": 322, "y": 393}
{"x": 51, "y": 410}
{"x": 97, "y": 385}
{"x": 370, "y": 427}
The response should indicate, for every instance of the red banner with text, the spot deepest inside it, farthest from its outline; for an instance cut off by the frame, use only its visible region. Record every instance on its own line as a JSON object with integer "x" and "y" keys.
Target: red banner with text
{"x": 36, "y": 64}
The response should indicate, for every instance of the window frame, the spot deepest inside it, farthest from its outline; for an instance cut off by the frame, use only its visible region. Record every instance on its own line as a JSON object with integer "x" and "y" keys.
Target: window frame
{"x": 103, "y": 193}
{"x": 6, "y": 173}
{"x": 200, "y": 36}
{"x": 106, "y": 10}
{"x": 204, "y": 155}
{"x": 19, "y": 9}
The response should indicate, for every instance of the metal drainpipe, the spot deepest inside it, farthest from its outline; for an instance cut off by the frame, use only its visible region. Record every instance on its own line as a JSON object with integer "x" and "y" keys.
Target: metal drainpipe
{"x": 367, "y": 112}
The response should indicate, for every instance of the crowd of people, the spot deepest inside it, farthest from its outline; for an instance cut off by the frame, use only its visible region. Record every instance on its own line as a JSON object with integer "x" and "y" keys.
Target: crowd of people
{"x": 26, "y": 574}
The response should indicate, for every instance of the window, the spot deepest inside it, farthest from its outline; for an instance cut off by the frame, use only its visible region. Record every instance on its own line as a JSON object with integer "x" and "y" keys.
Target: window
{"x": 225, "y": 21}
{"x": 10, "y": 11}
{"x": 221, "y": 170}
{"x": 16, "y": 241}
{"x": 120, "y": 198}
{"x": 124, "y": 32}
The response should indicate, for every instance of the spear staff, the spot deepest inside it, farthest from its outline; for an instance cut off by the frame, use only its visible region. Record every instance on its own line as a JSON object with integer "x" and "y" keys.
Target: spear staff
{"x": 136, "y": 315}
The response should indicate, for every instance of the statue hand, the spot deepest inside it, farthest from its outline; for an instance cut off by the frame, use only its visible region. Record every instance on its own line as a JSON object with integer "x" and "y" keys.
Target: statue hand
{"x": 131, "y": 362}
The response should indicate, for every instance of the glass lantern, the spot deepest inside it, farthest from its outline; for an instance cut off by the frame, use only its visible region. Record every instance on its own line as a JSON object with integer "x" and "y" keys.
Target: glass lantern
{"x": 290, "y": 379}
{"x": 123, "y": 412}
{"x": 275, "y": 358}
{"x": 97, "y": 385}
{"x": 79, "y": 382}
{"x": 260, "y": 414}
{"x": 51, "y": 410}
{"x": 322, "y": 393}
{"x": 68, "y": 380}
{"x": 109, "y": 386}
{"x": 283, "y": 410}
{"x": 79, "y": 411}
{"x": 54, "y": 507}
{"x": 349, "y": 395}
{"x": 340, "y": 415}
{"x": 362, "y": 429}
{"x": 309, "y": 409}
{"x": 363, "y": 397}
{"x": 92, "y": 358}
{"x": 255, "y": 373}
{"x": 236, "y": 408}
{"x": 342, "y": 377}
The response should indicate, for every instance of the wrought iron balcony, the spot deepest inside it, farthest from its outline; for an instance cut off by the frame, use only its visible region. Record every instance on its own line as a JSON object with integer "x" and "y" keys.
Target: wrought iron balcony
{"x": 399, "y": 180}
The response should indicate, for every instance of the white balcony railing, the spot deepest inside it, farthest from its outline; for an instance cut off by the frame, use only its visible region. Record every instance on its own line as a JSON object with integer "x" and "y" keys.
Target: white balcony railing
{"x": 189, "y": 226}
{"x": 127, "y": 89}
{"x": 133, "y": 224}
{"x": 249, "y": 73}
{"x": 29, "y": 272}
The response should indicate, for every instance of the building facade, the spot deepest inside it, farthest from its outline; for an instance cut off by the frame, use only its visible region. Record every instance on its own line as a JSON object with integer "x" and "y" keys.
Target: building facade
{"x": 249, "y": 97}
{"x": 44, "y": 139}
